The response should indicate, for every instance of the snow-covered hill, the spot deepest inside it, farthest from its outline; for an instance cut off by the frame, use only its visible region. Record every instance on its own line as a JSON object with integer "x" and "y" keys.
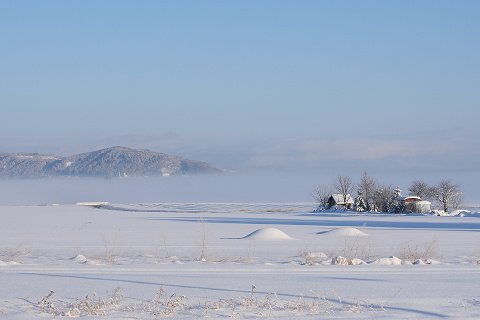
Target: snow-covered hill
{"x": 109, "y": 162}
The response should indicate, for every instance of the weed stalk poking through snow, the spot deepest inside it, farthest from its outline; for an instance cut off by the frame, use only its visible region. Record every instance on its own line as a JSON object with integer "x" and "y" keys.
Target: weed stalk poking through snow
{"x": 203, "y": 244}
{"x": 47, "y": 306}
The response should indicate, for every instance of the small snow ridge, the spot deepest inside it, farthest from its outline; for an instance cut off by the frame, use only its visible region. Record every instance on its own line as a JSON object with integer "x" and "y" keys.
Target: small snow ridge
{"x": 268, "y": 234}
{"x": 347, "y": 231}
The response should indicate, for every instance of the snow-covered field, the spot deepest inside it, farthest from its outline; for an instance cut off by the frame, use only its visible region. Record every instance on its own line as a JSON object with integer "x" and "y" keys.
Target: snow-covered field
{"x": 235, "y": 260}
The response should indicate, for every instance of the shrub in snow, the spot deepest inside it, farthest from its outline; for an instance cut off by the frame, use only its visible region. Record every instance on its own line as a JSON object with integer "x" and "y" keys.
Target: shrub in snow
{"x": 343, "y": 261}
{"x": 424, "y": 252}
{"x": 339, "y": 260}
{"x": 355, "y": 248}
{"x": 13, "y": 255}
{"x": 46, "y": 305}
{"x": 163, "y": 304}
{"x": 91, "y": 305}
{"x": 97, "y": 306}
{"x": 313, "y": 258}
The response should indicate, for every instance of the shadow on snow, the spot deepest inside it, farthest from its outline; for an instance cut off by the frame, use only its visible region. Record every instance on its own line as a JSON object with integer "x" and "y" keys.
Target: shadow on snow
{"x": 336, "y": 301}
{"x": 447, "y": 226}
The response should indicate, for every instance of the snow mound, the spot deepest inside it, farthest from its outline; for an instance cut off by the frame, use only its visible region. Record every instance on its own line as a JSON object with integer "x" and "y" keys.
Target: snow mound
{"x": 347, "y": 231}
{"x": 268, "y": 234}
{"x": 80, "y": 258}
{"x": 458, "y": 212}
{"x": 357, "y": 261}
{"x": 392, "y": 261}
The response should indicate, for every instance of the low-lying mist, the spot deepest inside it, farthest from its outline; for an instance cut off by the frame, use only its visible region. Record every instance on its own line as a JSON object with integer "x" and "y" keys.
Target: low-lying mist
{"x": 234, "y": 187}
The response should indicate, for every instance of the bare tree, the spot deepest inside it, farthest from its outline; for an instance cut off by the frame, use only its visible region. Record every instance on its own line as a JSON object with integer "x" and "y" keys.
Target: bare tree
{"x": 448, "y": 194}
{"x": 344, "y": 186}
{"x": 385, "y": 198}
{"x": 366, "y": 190}
{"x": 422, "y": 189}
{"x": 321, "y": 194}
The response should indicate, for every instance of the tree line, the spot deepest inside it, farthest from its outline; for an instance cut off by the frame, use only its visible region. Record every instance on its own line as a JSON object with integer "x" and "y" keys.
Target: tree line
{"x": 370, "y": 195}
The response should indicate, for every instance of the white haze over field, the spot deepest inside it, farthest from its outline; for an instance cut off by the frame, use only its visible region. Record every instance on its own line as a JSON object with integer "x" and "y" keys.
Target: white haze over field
{"x": 229, "y": 187}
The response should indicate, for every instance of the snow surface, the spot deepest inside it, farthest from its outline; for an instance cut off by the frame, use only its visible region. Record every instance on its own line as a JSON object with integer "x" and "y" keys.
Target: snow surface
{"x": 148, "y": 261}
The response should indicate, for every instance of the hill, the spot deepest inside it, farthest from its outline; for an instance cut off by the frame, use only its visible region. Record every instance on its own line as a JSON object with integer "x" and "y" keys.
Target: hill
{"x": 109, "y": 162}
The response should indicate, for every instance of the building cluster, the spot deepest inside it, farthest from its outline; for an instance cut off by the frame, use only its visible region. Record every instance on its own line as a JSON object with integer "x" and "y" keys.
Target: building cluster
{"x": 398, "y": 203}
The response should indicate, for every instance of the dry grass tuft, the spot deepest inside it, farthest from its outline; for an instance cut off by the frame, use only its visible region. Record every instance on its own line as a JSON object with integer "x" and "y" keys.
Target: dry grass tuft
{"x": 14, "y": 254}
{"x": 163, "y": 304}
{"x": 91, "y": 305}
{"x": 414, "y": 252}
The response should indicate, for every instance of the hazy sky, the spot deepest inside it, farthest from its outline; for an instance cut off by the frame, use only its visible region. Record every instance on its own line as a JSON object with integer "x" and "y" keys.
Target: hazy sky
{"x": 346, "y": 85}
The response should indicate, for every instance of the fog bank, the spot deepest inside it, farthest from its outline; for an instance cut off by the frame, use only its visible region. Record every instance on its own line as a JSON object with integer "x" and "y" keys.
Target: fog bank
{"x": 235, "y": 187}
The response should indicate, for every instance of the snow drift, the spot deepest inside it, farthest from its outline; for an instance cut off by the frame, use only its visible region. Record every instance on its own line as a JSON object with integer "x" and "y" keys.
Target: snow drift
{"x": 268, "y": 234}
{"x": 346, "y": 231}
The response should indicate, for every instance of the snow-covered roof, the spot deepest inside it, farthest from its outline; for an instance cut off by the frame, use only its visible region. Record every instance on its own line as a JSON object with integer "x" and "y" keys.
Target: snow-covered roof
{"x": 338, "y": 198}
{"x": 410, "y": 198}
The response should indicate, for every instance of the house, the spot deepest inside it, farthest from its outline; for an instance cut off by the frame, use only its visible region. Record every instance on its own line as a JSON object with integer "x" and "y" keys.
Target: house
{"x": 409, "y": 203}
{"x": 423, "y": 206}
{"x": 414, "y": 204}
{"x": 337, "y": 200}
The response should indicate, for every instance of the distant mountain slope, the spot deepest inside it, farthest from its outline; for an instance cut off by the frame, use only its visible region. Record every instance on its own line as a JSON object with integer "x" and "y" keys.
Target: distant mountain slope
{"x": 26, "y": 164}
{"x": 110, "y": 162}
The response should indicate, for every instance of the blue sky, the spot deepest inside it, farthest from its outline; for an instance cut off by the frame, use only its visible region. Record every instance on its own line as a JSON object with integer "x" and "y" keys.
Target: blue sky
{"x": 247, "y": 85}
